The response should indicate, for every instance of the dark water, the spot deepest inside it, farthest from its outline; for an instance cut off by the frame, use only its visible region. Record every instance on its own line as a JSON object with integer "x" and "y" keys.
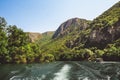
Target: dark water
{"x": 61, "y": 71}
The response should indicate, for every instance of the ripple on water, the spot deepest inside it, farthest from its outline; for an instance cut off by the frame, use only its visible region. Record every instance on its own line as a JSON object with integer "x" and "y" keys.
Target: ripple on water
{"x": 16, "y": 78}
{"x": 42, "y": 77}
{"x": 14, "y": 72}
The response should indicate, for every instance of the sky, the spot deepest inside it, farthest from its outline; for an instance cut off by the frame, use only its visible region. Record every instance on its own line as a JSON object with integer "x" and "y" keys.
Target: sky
{"x": 47, "y": 15}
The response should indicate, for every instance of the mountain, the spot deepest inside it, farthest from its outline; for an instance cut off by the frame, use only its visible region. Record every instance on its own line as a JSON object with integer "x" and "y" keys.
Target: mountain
{"x": 40, "y": 36}
{"x": 105, "y": 28}
{"x": 81, "y": 39}
{"x": 46, "y": 37}
{"x": 48, "y": 33}
{"x": 71, "y": 25}
{"x": 34, "y": 36}
{"x": 65, "y": 38}
{"x": 76, "y": 39}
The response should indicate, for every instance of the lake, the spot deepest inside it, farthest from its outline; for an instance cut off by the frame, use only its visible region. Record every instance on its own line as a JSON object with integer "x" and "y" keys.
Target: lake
{"x": 64, "y": 70}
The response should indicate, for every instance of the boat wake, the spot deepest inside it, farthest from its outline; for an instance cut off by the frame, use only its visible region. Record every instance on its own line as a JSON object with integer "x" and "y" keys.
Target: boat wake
{"x": 63, "y": 73}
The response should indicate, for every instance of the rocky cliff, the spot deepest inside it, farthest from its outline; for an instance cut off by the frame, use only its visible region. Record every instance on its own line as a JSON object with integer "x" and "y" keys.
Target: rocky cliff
{"x": 74, "y": 24}
{"x": 105, "y": 28}
{"x": 80, "y": 39}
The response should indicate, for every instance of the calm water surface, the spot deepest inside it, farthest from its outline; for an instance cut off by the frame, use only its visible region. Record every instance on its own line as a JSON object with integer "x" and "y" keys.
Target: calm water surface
{"x": 70, "y": 70}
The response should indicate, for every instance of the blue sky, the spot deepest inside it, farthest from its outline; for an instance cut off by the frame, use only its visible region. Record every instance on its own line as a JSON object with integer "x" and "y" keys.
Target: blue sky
{"x": 47, "y": 15}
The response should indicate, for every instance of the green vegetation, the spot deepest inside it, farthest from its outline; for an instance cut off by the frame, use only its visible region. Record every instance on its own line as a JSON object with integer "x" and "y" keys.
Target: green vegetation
{"x": 69, "y": 47}
{"x": 74, "y": 45}
{"x": 76, "y": 41}
{"x": 46, "y": 37}
{"x": 108, "y": 18}
{"x": 3, "y": 40}
{"x": 16, "y": 46}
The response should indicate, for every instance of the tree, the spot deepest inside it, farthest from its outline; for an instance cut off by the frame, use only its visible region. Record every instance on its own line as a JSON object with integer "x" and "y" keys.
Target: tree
{"x": 16, "y": 37}
{"x": 3, "y": 41}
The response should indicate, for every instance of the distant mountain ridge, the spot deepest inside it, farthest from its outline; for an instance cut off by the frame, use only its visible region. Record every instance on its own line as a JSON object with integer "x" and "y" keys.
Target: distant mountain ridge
{"x": 48, "y": 33}
{"x": 34, "y": 36}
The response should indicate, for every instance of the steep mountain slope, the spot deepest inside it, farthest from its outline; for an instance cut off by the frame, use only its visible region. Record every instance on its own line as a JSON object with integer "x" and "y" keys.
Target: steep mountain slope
{"x": 71, "y": 25}
{"x": 62, "y": 41}
{"x": 105, "y": 28}
{"x": 80, "y": 39}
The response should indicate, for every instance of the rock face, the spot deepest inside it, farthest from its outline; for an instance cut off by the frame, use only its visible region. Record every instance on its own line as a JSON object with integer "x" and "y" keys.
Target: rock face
{"x": 105, "y": 28}
{"x": 70, "y": 26}
{"x": 102, "y": 36}
{"x": 109, "y": 33}
{"x": 34, "y": 36}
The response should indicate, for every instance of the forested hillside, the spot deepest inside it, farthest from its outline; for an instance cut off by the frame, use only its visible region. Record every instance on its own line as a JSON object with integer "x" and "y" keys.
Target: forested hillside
{"x": 75, "y": 39}
{"x": 80, "y": 39}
